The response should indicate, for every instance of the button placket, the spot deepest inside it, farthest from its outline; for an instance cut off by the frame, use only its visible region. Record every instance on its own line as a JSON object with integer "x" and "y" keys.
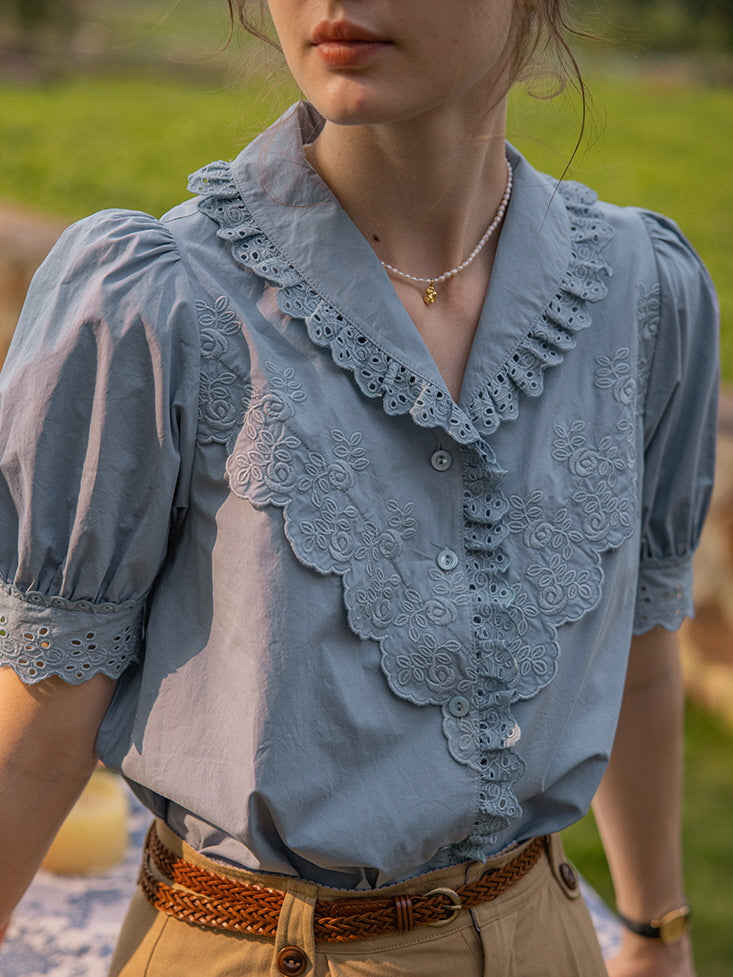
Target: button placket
{"x": 441, "y": 460}
{"x": 459, "y": 706}
{"x": 447, "y": 559}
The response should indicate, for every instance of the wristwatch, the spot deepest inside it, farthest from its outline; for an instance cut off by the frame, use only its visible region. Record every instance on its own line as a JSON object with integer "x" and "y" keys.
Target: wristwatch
{"x": 669, "y": 928}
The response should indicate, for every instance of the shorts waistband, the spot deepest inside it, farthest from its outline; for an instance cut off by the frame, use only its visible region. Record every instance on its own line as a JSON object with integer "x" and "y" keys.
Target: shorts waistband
{"x": 181, "y": 883}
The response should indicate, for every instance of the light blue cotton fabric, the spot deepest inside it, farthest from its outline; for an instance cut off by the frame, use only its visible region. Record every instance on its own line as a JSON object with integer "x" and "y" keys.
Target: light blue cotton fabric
{"x": 362, "y": 630}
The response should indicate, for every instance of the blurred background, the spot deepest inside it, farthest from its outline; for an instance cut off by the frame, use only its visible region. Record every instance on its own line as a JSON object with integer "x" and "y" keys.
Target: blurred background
{"x": 113, "y": 103}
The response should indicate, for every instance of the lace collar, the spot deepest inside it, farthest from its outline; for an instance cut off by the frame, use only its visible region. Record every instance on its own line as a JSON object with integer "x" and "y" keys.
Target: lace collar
{"x": 285, "y": 225}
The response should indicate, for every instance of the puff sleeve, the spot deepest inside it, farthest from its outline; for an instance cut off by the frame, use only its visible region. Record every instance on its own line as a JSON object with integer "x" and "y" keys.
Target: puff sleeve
{"x": 98, "y": 400}
{"x": 679, "y": 428}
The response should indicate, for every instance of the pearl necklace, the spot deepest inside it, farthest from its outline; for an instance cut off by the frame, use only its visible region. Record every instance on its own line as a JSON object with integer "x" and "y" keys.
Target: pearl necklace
{"x": 431, "y": 293}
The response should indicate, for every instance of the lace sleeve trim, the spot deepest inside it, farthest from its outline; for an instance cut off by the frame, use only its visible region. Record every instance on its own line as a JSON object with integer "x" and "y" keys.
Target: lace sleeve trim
{"x": 41, "y": 636}
{"x": 664, "y": 594}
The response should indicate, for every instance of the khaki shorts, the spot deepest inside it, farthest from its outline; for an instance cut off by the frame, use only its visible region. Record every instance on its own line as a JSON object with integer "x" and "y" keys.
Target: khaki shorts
{"x": 540, "y": 927}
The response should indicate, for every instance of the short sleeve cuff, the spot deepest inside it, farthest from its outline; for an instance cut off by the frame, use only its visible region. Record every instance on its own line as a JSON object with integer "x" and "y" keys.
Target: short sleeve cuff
{"x": 41, "y": 637}
{"x": 664, "y": 594}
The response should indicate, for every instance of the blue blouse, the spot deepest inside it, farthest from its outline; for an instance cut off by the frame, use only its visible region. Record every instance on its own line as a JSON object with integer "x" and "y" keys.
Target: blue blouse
{"x": 361, "y": 630}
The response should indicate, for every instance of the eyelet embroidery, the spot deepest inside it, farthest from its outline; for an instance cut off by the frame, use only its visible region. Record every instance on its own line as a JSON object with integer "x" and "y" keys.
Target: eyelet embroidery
{"x": 375, "y": 371}
{"x": 662, "y": 602}
{"x": 97, "y": 638}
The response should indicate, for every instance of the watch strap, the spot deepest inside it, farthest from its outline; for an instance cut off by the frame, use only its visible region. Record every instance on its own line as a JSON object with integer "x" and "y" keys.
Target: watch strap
{"x": 668, "y": 928}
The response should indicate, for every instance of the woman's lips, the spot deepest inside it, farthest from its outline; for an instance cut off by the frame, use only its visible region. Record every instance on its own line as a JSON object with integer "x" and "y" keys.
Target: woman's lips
{"x": 344, "y": 45}
{"x": 348, "y": 54}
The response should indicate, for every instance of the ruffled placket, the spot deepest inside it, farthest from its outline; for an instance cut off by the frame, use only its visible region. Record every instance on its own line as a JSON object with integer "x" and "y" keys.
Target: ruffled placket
{"x": 515, "y": 637}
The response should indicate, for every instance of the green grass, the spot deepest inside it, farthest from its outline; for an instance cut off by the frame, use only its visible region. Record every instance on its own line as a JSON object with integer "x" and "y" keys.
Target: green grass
{"x": 89, "y": 143}
{"x": 133, "y": 32}
{"x": 708, "y": 801}
{"x": 172, "y": 28}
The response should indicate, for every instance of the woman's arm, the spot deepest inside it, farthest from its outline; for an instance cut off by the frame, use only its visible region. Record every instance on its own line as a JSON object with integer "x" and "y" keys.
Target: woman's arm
{"x": 47, "y": 734}
{"x": 637, "y": 806}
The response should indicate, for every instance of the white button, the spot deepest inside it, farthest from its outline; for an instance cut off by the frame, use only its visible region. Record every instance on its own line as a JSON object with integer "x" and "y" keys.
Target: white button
{"x": 441, "y": 460}
{"x": 459, "y": 706}
{"x": 447, "y": 560}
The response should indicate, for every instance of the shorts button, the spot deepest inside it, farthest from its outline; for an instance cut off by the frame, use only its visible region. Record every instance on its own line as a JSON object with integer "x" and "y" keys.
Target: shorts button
{"x": 291, "y": 961}
{"x": 567, "y": 874}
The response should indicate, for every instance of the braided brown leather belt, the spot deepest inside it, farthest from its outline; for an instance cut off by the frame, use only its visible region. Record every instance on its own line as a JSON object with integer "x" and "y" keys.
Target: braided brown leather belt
{"x": 218, "y": 902}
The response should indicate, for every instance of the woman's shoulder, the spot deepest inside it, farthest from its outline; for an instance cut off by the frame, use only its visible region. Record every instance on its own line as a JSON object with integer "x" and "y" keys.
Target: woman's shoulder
{"x": 640, "y": 236}
{"x": 117, "y": 274}
{"x": 111, "y": 253}
{"x": 115, "y": 235}
{"x": 654, "y": 267}
{"x": 642, "y": 245}
{"x": 126, "y": 245}
{"x": 629, "y": 241}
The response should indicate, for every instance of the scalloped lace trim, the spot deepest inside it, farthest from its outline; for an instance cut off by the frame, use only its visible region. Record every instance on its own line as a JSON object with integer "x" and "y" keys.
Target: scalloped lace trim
{"x": 553, "y": 335}
{"x": 663, "y": 596}
{"x": 515, "y": 637}
{"x": 93, "y": 638}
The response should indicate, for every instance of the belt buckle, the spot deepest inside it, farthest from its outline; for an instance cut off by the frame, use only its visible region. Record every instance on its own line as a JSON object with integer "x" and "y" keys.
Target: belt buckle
{"x": 455, "y": 908}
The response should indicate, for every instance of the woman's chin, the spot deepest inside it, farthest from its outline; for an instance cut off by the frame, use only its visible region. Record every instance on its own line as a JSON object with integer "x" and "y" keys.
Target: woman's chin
{"x": 350, "y": 103}
{"x": 361, "y": 106}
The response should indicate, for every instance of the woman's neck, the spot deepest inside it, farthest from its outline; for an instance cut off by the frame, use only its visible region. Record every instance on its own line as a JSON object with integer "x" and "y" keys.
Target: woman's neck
{"x": 421, "y": 191}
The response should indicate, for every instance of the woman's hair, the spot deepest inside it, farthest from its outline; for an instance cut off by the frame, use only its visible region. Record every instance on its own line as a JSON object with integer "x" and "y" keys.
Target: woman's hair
{"x": 542, "y": 28}
{"x": 239, "y": 10}
{"x": 541, "y": 31}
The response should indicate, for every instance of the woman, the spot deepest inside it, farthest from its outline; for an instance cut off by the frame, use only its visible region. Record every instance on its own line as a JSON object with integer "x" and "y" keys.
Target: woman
{"x": 331, "y": 507}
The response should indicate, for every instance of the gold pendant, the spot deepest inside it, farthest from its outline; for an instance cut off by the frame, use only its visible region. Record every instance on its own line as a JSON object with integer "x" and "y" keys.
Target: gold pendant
{"x": 431, "y": 294}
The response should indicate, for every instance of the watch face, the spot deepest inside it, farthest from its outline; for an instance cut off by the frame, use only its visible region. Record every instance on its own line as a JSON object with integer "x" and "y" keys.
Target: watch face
{"x": 673, "y": 925}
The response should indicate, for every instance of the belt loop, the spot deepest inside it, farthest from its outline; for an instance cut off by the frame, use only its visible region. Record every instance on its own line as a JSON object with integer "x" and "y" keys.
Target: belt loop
{"x": 405, "y": 918}
{"x": 565, "y": 874}
{"x": 476, "y": 926}
{"x": 295, "y": 943}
